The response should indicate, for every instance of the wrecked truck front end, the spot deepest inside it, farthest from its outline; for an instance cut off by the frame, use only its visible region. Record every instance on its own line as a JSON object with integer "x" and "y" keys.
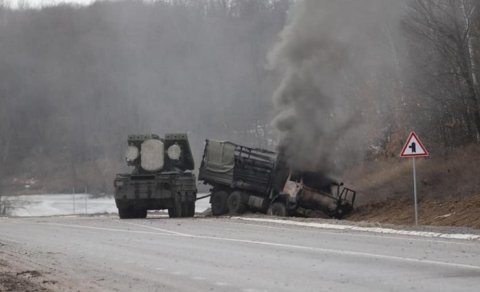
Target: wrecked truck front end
{"x": 332, "y": 199}
{"x": 345, "y": 200}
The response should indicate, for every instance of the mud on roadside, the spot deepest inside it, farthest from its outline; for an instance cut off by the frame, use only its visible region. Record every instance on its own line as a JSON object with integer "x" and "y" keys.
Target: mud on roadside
{"x": 18, "y": 273}
{"x": 12, "y": 279}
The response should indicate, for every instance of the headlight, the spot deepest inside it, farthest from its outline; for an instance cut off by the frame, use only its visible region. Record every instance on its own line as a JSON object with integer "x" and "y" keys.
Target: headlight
{"x": 174, "y": 152}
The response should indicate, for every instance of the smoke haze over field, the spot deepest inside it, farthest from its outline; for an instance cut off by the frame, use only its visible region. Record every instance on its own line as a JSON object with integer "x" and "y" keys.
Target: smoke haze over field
{"x": 329, "y": 54}
{"x": 350, "y": 77}
{"x": 76, "y": 80}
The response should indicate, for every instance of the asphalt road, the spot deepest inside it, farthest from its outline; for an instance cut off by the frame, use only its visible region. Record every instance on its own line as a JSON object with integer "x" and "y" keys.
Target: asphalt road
{"x": 160, "y": 254}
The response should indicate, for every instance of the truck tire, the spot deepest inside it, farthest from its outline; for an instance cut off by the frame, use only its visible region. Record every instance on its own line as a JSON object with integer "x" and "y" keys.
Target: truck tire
{"x": 188, "y": 209}
{"x": 218, "y": 202}
{"x": 342, "y": 211}
{"x": 176, "y": 211}
{"x": 236, "y": 203}
{"x": 277, "y": 209}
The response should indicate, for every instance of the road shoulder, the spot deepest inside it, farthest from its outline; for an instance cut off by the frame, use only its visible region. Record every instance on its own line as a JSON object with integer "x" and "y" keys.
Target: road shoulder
{"x": 26, "y": 270}
{"x": 17, "y": 277}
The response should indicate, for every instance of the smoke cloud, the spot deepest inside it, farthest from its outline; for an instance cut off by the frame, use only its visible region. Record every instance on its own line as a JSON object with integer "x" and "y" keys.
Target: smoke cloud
{"x": 330, "y": 56}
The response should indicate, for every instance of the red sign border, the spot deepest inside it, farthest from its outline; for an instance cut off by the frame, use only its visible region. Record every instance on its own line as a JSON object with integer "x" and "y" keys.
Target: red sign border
{"x": 413, "y": 134}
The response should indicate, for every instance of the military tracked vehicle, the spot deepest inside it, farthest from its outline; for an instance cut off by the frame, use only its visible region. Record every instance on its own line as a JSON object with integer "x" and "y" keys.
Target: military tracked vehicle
{"x": 249, "y": 178}
{"x": 162, "y": 177}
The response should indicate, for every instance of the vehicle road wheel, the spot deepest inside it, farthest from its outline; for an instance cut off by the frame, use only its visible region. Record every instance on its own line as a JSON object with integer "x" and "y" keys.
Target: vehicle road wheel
{"x": 236, "y": 203}
{"x": 171, "y": 213}
{"x": 277, "y": 209}
{"x": 188, "y": 209}
{"x": 176, "y": 211}
{"x": 141, "y": 213}
{"x": 218, "y": 202}
{"x": 124, "y": 213}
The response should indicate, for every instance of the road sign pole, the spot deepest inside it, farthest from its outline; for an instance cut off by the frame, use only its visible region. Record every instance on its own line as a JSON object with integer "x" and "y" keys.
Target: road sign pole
{"x": 73, "y": 192}
{"x": 414, "y": 148}
{"x": 415, "y": 191}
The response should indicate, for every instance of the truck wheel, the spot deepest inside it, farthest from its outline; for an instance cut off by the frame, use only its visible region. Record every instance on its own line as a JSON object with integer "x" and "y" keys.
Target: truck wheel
{"x": 343, "y": 211}
{"x": 218, "y": 202}
{"x": 277, "y": 209}
{"x": 236, "y": 203}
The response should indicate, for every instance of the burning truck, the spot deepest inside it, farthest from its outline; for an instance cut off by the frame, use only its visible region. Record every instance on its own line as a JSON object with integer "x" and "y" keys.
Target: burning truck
{"x": 244, "y": 178}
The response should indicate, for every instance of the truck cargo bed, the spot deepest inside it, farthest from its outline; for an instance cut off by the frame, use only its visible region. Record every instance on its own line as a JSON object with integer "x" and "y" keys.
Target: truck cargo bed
{"x": 235, "y": 166}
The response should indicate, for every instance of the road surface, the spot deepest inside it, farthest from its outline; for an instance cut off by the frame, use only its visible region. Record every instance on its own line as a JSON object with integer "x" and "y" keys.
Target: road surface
{"x": 222, "y": 254}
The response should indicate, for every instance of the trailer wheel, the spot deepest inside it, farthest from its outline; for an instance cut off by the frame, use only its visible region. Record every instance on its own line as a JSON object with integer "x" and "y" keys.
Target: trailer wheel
{"x": 236, "y": 203}
{"x": 277, "y": 209}
{"x": 218, "y": 202}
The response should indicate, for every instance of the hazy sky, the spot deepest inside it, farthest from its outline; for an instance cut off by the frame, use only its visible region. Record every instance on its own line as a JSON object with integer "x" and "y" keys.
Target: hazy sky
{"x": 39, "y": 3}
{"x": 36, "y": 3}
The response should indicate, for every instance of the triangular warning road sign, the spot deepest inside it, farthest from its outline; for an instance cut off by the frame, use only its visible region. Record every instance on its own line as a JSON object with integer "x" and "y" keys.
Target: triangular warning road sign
{"x": 414, "y": 147}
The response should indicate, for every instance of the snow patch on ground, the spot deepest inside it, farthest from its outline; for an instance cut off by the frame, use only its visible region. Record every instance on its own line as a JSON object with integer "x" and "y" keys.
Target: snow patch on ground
{"x": 58, "y": 204}
{"x": 365, "y": 229}
{"x": 67, "y": 204}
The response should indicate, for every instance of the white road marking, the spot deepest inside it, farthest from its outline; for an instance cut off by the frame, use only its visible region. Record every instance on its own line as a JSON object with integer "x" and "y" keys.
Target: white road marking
{"x": 198, "y": 278}
{"x": 223, "y": 284}
{"x": 103, "y": 228}
{"x": 365, "y": 229}
{"x": 471, "y": 238}
{"x": 288, "y": 246}
{"x": 160, "y": 269}
{"x": 4, "y": 239}
{"x": 345, "y": 252}
{"x": 159, "y": 229}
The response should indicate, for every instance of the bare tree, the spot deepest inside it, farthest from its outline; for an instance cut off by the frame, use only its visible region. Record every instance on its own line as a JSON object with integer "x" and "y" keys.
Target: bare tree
{"x": 444, "y": 48}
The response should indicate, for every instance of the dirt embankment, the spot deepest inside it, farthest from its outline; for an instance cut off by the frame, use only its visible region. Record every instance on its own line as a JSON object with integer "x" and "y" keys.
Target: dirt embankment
{"x": 448, "y": 189}
{"x": 464, "y": 212}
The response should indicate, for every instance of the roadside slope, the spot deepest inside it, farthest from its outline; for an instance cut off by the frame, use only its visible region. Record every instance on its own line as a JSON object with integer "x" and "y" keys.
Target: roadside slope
{"x": 464, "y": 212}
{"x": 448, "y": 189}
